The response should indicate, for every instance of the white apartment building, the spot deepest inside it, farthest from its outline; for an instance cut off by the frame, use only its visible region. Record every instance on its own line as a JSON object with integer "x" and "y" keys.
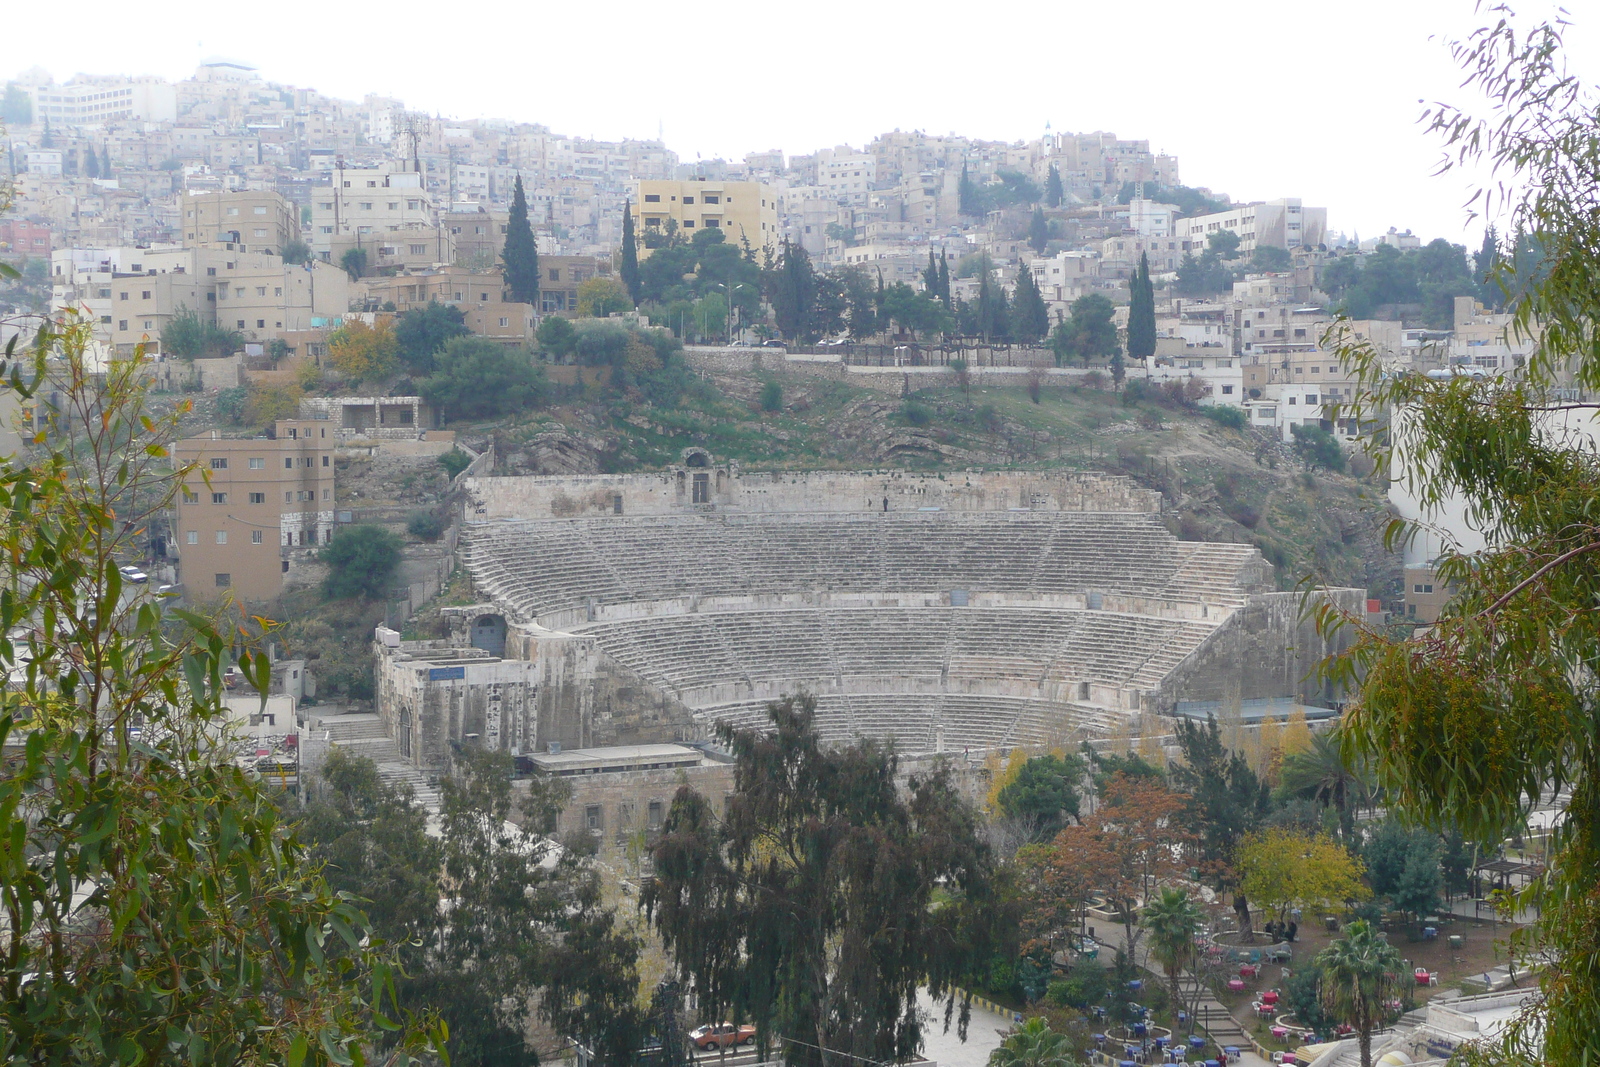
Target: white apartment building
{"x": 1293, "y": 405}
{"x": 1066, "y": 276}
{"x": 1283, "y": 223}
{"x": 846, "y": 174}
{"x": 1210, "y": 363}
{"x": 97, "y": 101}
{"x": 1147, "y": 218}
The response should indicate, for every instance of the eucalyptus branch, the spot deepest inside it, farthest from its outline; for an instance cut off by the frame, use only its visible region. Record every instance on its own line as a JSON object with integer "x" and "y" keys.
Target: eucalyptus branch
{"x": 1506, "y": 597}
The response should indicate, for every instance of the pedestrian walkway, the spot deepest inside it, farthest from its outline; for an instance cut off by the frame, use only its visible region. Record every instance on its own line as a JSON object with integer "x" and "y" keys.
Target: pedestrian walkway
{"x": 1215, "y": 1019}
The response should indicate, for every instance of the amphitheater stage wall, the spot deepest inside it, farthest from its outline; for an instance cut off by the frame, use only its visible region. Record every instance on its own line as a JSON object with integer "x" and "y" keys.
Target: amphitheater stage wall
{"x": 427, "y": 703}
{"x": 1269, "y": 648}
{"x": 728, "y": 490}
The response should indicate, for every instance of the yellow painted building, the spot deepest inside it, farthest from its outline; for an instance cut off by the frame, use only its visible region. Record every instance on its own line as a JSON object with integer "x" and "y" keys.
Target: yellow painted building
{"x": 742, "y": 210}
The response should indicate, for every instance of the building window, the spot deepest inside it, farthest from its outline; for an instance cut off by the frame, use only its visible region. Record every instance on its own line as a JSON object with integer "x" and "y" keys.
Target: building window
{"x": 702, "y": 488}
{"x": 219, "y": 498}
{"x": 122, "y": 324}
{"x": 652, "y": 198}
{"x": 222, "y": 537}
{"x": 219, "y": 464}
{"x": 591, "y": 817}
{"x": 223, "y": 579}
{"x": 505, "y": 322}
{"x": 258, "y": 498}
{"x": 325, "y": 458}
{"x": 288, "y": 497}
{"x": 192, "y": 537}
{"x": 257, "y": 463}
{"x": 255, "y": 537}
{"x": 288, "y": 463}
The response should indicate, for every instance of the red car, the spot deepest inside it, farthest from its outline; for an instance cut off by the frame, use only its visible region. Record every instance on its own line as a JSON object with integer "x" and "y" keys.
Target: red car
{"x": 722, "y": 1035}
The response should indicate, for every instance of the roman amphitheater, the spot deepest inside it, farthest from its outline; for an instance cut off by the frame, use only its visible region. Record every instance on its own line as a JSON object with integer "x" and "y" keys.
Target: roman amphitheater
{"x": 941, "y": 612}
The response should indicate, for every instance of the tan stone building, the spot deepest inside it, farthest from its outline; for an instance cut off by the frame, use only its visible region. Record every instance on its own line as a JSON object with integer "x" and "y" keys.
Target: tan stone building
{"x": 742, "y": 210}
{"x": 243, "y": 222}
{"x": 1426, "y": 595}
{"x": 479, "y": 295}
{"x": 249, "y": 501}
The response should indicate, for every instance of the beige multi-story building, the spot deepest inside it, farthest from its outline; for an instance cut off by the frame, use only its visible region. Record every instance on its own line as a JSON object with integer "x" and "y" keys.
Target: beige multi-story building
{"x": 742, "y": 210}
{"x": 479, "y": 233}
{"x": 479, "y": 295}
{"x": 243, "y": 222}
{"x": 249, "y": 502}
{"x": 367, "y": 207}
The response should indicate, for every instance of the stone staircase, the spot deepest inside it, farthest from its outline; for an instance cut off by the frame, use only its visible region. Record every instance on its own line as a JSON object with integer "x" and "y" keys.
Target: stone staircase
{"x": 363, "y": 735}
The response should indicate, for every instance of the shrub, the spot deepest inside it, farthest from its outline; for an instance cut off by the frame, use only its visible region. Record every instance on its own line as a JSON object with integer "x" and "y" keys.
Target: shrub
{"x": 916, "y": 413}
{"x": 231, "y": 403}
{"x": 268, "y": 403}
{"x": 771, "y": 397}
{"x": 1317, "y": 447}
{"x": 361, "y": 352}
{"x": 1225, "y": 415}
{"x": 361, "y": 560}
{"x": 455, "y": 461}
{"x": 425, "y": 525}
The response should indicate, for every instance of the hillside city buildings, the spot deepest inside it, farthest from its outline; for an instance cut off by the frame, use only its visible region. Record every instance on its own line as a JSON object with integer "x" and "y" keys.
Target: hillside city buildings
{"x": 277, "y": 213}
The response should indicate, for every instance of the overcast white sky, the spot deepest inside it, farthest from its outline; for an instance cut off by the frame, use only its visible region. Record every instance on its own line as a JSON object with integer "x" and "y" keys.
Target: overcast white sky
{"x": 1258, "y": 98}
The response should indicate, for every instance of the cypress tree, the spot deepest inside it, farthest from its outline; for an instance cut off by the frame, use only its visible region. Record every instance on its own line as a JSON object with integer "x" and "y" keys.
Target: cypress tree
{"x": 1141, "y": 313}
{"x": 630, "y": 254}
{"x": 944, "y": 279}
{"x": 91, "y": 162}
{"x": 1053, "y": 193}
{"x": 520, "y": 259}
{"x": 1487, "y": 262}
{"x": 930, "y": 277}
{"x": 966, "y": 195}
{"x": 1038, "y": 231}
{"x": 1030, "y": 318}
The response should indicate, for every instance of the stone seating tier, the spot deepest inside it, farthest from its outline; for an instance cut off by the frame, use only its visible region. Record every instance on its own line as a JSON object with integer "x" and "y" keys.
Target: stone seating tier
{"x": 950, "y": 723}
{"x": 867, "y": 649}
{"x": 549, "y": 566}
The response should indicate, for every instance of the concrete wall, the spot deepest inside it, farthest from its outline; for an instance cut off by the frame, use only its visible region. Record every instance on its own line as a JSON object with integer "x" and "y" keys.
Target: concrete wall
{"x": 670, "y": 492}
{"x": 625, "y": 798}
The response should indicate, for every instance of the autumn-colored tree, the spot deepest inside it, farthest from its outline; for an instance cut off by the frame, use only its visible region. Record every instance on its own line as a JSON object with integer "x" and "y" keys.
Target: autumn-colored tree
{"x": 266, "y": 402}
{"x": 1057, "y": 881}
{"x": 1143, "y": 824}
{"x": 361, "y": 352}
{"x": 1279, "y": 868}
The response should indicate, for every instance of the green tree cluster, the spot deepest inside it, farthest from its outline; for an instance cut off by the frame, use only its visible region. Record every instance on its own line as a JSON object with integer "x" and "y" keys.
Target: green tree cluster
{"x": 361, "y": 560}
{"x": 421, "y": 332}
{"x": 1044, "y": 795}
{"x": 808, "y": 906}
{"x": 476, "y": 378}
{"x": 188, "y": 336}
{"x": 1089, "y": 333}
{"x": 1382, "y": 282}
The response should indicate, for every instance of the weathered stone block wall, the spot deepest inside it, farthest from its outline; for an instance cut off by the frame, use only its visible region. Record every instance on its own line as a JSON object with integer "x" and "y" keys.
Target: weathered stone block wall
{"x": 625, "y": 799}
{"x": 669, "y": 492}
{"x": 1269, "y": 648}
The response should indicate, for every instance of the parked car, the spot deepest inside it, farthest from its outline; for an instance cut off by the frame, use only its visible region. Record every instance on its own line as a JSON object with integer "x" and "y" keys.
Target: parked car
{"x": 722, "y": 1035}
{"x": 133, "y": 574}
{"x": 774, "y": 343}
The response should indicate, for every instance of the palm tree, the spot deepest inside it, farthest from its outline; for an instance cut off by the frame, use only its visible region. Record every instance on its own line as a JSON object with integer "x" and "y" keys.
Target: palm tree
{"x": 1173, "y": 921}
{"x": 1322, "y": 774}
{"x": 1035, "y": 1045}
{"x": 1360, "y": 974}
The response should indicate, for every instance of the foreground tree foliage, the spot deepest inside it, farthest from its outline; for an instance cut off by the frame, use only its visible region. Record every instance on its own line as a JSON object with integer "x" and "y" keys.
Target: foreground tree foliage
{"x": 826, "y": 895}
{"x": 156, "y": 910}
{"x": 1495, "y": 710}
